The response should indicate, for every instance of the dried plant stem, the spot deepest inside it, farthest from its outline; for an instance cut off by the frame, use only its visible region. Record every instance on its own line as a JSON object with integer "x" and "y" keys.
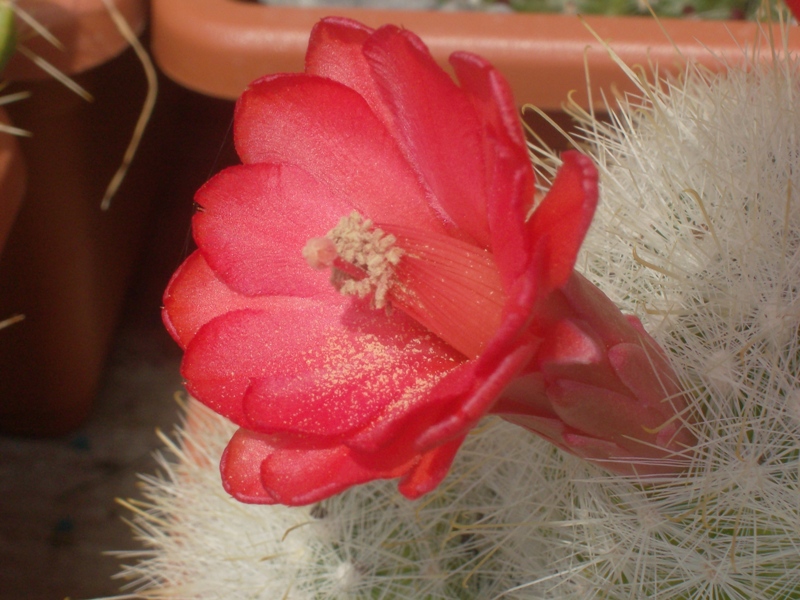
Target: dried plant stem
{"x": 147, "y": 107}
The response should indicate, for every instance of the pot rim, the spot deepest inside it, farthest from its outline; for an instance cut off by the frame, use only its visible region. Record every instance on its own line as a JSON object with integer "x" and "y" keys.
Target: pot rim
{"x": 217, "y": 47}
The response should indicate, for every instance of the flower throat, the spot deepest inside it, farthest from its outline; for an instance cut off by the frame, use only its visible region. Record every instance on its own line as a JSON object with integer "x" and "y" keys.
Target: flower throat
{"x": 451, "y": 287}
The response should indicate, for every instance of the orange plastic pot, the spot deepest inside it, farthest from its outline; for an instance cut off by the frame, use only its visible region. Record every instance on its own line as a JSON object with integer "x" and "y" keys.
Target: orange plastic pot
{"x": 217, "y": 47}
{"x": 66, "y": 264}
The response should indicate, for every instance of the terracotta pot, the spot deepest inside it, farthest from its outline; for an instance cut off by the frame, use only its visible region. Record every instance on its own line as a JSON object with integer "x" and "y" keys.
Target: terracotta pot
{"x": 217, "y": 47}
{"x": 67, "y": 265}
{"x": 85, "y": 29}
{"x": 12, "y": 182}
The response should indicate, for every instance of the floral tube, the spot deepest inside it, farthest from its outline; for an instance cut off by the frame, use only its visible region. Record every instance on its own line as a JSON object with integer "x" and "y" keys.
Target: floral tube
{"x": 368, "y": 284}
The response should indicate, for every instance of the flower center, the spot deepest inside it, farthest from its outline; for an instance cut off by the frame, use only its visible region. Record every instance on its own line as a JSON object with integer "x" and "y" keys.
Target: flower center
{"x": 451, "y": 287}
{"x": 363, "y": 258}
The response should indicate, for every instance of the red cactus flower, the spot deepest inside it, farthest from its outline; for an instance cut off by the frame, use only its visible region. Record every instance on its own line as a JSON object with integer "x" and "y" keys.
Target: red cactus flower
{"x": 794, "y": 7}
{"x": 367, "y": 286}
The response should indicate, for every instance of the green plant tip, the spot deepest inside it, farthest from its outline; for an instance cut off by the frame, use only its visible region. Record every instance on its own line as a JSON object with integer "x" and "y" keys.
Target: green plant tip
{"x": 8, "y": 34}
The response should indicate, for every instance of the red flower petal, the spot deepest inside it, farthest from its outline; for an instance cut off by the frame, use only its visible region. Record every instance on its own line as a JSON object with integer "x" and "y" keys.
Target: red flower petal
{"x": 431, "y": 469}
{"x": 437, "y": 125}
{"x": 372, "y": 368}
{"x": 794, "y": 6}
{"x": 491, "y": 95}
{"x": 257, "y": 468}
{"x": 329, "y": 131}
{"x": 560, "y": 222}
{"x": 451, "y": 409}
{"x": 487, "y": 385}
{"x": 195, "y": 295}
{"x": 509, "y": 176}
{"x": 254, "y": 222}
{"x": 313, "y": 368}
{"x": 230, "y": 351}
{"x": 240, "y": 467}
{"x": 335, "y": 51}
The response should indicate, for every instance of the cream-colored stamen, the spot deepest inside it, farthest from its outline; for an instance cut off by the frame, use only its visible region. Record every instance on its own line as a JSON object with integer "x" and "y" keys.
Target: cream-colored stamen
{"x": 363, "y": 258}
